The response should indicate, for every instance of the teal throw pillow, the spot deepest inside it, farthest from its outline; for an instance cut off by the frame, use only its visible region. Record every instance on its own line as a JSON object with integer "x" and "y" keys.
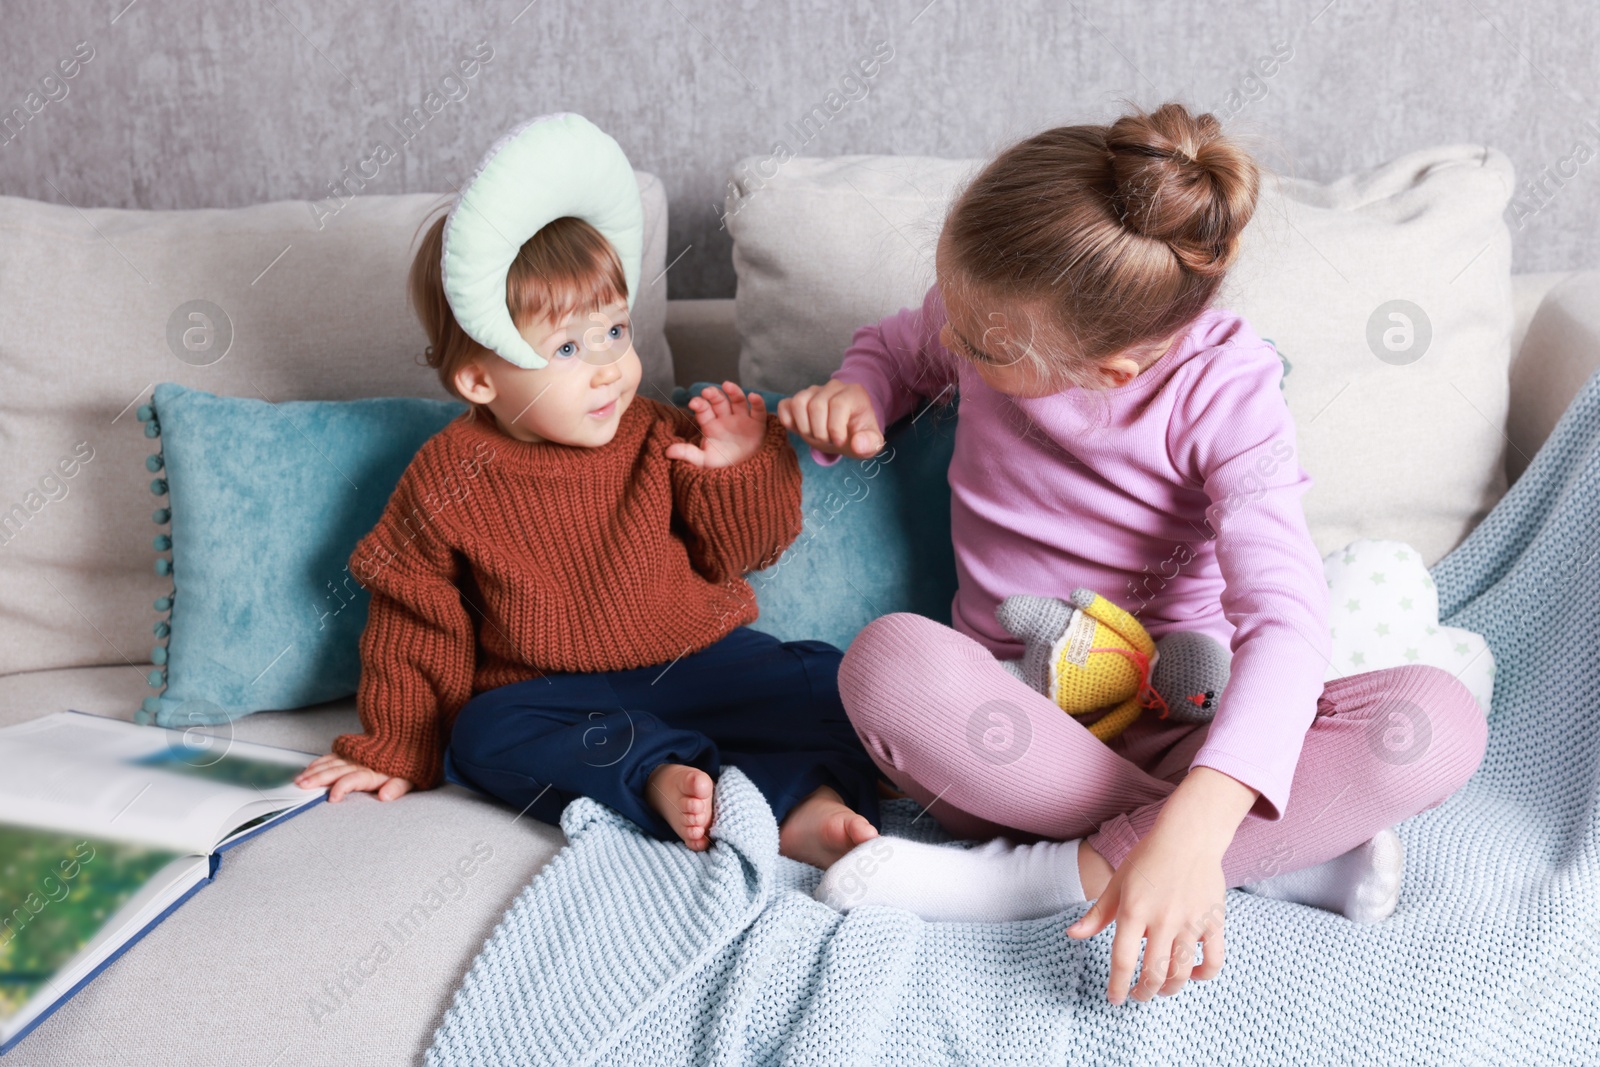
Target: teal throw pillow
{"x": 264, "y": 504}
{"x": 876, "y": 537}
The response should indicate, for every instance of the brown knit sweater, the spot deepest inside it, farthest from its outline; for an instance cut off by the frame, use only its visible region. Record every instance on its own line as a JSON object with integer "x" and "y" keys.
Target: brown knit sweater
{"x": 497, "y": 560}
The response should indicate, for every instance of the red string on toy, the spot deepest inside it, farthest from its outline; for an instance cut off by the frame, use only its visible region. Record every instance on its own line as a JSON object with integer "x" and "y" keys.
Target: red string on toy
{"x": 1147, "y": 695}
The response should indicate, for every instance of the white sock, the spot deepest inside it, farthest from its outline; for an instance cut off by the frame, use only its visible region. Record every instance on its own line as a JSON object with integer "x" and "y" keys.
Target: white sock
{"x": 997, "y": 881}
{"x": 1364, "y": 883}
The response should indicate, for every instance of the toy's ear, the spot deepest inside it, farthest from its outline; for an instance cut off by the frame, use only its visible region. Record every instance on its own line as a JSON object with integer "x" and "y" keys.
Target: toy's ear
{"x": 1038, "y": 622}
{"x": 1033, "y": 619}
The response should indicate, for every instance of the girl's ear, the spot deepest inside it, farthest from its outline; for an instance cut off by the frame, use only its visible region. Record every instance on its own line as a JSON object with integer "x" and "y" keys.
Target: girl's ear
{"x": 1119, "y": 371}
{"x": 474, "y": 383}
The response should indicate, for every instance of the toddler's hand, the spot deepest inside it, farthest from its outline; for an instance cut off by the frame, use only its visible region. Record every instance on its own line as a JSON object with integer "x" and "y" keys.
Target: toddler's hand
{"x": 834, "y": 417}
{"x": 350, "y": 777}
{"x": 731, "y": 427}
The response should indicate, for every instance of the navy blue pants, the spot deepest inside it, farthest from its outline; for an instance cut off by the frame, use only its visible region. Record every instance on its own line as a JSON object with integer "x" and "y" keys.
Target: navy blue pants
{"x": 769, "y": 707}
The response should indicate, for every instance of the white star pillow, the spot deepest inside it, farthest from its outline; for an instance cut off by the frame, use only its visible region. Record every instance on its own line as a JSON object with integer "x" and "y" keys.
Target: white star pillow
{"x": 1383, "y": 611}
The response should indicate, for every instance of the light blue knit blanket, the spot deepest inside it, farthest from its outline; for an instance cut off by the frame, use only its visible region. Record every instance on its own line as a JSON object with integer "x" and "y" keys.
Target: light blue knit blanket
{"x": 626, "y": 950}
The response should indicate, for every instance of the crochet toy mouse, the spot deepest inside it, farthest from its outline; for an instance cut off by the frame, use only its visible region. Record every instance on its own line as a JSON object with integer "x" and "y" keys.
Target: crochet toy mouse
{"x": 1089, "y": 655}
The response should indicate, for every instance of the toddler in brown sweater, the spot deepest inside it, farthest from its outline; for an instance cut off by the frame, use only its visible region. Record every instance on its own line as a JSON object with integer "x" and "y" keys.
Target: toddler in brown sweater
{"x": 557, "y": 602}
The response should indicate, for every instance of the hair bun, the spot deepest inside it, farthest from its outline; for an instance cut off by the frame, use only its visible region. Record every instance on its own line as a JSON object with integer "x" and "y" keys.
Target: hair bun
{"x": 1177, "y": 178}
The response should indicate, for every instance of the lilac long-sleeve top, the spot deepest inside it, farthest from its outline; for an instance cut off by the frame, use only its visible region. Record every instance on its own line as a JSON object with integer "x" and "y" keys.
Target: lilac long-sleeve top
{"x": 1176, "y": 495}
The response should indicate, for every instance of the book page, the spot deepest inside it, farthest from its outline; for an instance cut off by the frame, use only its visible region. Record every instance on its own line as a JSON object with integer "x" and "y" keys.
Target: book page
{"x": 176, "y": 789}
{"x": 73, "y": 899}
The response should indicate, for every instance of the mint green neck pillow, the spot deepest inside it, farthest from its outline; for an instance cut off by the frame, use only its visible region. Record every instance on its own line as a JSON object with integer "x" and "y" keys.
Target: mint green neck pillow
{"x": 545, "y": 168}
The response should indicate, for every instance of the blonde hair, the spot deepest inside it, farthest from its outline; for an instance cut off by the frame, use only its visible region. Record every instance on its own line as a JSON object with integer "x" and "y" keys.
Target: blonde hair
{"x": 1107, "y": 238}
{"x": 567, "y": 266}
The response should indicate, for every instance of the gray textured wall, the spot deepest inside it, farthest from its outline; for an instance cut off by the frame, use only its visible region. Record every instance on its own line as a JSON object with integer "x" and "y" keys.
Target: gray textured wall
{"x": 223, "y": 104}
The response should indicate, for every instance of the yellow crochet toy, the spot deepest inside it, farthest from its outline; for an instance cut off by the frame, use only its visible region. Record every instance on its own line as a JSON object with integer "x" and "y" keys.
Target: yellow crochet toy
{"x": 1095, "y": 660}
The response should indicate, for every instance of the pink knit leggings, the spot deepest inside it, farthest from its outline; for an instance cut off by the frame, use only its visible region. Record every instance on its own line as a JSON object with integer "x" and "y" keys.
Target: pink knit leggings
{"x": 988, "y": 756}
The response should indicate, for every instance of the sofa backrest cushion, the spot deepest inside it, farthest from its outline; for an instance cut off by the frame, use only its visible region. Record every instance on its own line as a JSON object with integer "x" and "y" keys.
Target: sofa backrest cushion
{"x": 291, "y": 300}
{"x": 1559, "y": 353}
{"x": 1387, "y": 291}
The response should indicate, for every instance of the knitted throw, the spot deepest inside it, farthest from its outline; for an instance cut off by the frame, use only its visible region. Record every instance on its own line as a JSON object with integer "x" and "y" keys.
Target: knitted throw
{"x": 626, "y": 950}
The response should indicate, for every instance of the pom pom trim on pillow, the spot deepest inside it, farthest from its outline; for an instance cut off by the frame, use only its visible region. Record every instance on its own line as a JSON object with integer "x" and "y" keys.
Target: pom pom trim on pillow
{"x": 162, "y": 516}
{"x": 545, "y": 168}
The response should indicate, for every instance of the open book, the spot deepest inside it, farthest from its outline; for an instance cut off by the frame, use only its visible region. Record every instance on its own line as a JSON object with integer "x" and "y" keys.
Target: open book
{"x": 105, "y": 828}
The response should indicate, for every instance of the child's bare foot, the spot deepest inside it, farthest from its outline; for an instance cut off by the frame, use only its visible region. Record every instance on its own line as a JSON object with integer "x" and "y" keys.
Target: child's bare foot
{"x": 682, "y": 796}
{"x": 822, "y": 828}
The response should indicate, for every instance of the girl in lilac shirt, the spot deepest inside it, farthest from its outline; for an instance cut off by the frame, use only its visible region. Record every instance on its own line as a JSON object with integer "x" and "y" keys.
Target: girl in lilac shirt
{"x": 1117, "y": 432}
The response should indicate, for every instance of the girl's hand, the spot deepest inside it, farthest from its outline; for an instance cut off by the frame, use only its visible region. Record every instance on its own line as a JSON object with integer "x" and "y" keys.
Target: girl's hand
{"x": 350, "y": 777}
{"x": 731, "y": 427}
{"x": 1170, "y": 889}
{"x": 834, "y": 417}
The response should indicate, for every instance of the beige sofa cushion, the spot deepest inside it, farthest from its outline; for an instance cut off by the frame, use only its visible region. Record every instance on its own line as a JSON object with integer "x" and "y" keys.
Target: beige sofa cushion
{"x": 825, "y": 246}
{"x": 1407, "y": 447}
{"x": 1559, "y": 353}
{"x": 90, "y": 301}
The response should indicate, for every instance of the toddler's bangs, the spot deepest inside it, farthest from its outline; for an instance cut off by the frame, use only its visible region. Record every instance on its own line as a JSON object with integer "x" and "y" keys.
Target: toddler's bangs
{"x": 567, "y": 267}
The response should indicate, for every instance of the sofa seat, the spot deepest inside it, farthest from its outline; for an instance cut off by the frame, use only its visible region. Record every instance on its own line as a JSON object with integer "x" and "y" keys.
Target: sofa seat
{"x": 338, "y": 936}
